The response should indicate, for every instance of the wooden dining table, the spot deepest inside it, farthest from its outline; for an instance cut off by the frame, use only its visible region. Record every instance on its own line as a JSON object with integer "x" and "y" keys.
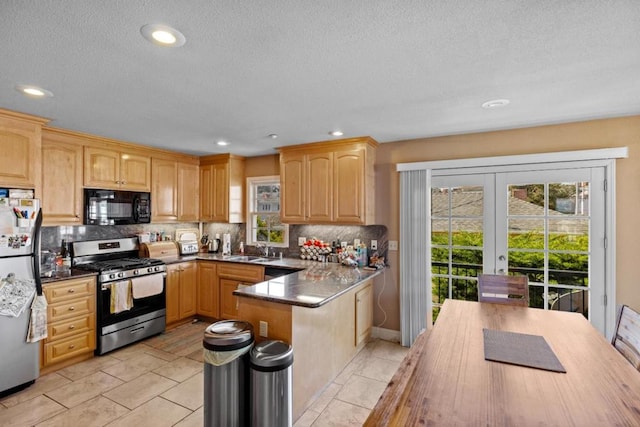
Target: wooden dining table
{"x": 446, "y": 381}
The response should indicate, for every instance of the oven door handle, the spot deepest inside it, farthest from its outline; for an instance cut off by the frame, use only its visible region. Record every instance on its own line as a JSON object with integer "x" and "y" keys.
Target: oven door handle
{"x": 107, "y": 286}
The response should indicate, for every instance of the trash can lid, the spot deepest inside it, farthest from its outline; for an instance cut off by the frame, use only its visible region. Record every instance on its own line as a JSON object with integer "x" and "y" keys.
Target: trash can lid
{"x": 228, "y": 335}
{"x": 271, "y": 355}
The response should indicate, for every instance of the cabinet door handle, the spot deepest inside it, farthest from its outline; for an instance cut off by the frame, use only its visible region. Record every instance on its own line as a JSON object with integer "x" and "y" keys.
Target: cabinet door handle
{"x": 72, "y": 346}
{"x": 72, "y": 326}
{"x": 72, "y": 290}
{"x": 72, "y": 308}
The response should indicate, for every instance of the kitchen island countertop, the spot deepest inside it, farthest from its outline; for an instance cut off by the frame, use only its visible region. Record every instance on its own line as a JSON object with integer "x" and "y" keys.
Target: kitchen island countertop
{"x": 315, "y": 284}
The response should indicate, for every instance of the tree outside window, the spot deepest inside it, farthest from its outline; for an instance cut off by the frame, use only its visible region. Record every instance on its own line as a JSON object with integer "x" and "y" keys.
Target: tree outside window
{"x": 264, "y": 225}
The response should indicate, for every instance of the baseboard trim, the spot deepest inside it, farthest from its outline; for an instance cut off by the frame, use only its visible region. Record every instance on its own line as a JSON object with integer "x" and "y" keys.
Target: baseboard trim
{"x": 385, "y": 334}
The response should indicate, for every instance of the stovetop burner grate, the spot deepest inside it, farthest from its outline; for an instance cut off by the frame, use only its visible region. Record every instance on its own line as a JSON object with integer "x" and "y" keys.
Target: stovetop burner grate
{"x": 120, "y": 264}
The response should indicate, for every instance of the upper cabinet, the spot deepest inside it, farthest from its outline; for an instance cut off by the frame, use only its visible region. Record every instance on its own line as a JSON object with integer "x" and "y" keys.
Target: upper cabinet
{"x": 61, "y": 197}
{"x": 20, "y": 143}
{"x": 116, "y": 169}
{"x": 164, "y": 190}
{"x": 328, "y": 182}
{"x": 174, "y": 193}
{"x": 222, "y": 188}
{"x": 188, "y": 194}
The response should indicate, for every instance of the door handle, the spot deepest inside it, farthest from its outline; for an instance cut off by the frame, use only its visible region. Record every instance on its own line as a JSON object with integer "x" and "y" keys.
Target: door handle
{"x": 501, "y": 258}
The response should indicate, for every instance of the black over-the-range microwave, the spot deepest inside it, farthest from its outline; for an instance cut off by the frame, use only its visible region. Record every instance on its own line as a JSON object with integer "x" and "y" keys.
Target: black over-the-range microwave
{"x": 116, "y": 207}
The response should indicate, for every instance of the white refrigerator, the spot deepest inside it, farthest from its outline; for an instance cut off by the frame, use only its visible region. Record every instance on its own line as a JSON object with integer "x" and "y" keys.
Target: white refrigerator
{"x": 20, "y": 256}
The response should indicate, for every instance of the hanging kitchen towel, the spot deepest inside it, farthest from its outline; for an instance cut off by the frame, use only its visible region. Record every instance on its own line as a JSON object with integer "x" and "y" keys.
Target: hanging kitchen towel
{"x": 147, "y": 286}
{"x": 15, "y": 295}
{"x": 121, "y": 299}
{"x": 38, "y": 321}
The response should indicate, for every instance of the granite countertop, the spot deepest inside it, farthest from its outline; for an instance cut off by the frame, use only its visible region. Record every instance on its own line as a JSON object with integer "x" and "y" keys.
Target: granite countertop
{"x": 310, "y": 284}
{"x": 74, "y": 273}
{"x": 315, "y": 284}
{"x": 312, "y": 287}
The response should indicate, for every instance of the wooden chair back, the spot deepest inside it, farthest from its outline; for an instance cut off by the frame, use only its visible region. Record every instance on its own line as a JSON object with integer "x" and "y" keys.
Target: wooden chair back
{"x": 626, "y": 338}
{"x": 501, "y": 289}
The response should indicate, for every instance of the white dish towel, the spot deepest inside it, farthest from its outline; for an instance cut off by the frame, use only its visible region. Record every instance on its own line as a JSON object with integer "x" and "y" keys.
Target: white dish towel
{"x": 147, "y": 286}
{"x": 121, "y": 296}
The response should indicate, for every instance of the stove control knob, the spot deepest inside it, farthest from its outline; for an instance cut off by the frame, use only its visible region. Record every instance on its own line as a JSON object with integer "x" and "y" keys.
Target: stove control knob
{"x": 150, "y": 270}
{"x": 112, "y": 276}
{"x": 121, "y": 274}
{"x": 136, "y": 272}
{"x": 156, "y": 268}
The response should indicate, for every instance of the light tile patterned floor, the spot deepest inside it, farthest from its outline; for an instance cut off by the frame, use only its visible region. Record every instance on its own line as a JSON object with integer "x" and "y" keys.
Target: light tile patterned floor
{"x": 159, "y": 382}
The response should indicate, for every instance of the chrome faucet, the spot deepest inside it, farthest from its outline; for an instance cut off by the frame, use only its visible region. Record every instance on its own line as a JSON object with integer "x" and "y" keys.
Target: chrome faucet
{"x": 264, "y": 247}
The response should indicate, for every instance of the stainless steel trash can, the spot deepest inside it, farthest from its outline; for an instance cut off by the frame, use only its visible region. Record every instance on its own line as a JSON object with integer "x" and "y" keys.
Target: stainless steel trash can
{"x": 226, "y": 377}
{"x": 270, "y": 384}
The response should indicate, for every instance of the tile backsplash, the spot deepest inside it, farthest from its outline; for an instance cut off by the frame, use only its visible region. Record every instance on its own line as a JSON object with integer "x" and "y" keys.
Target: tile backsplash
{"x": 52, "y": 236}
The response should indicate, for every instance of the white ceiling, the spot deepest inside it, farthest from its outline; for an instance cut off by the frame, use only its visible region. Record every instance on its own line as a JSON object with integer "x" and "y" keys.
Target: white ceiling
{"x": 394, "y": 70}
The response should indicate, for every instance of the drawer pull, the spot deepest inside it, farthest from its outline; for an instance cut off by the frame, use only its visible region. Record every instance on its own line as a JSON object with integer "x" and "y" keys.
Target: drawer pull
{"x": 72, "y": 326}
{"x": 72, "y": 308}
{"x": 72, "y": 346}
{"x": 72, "y": 290}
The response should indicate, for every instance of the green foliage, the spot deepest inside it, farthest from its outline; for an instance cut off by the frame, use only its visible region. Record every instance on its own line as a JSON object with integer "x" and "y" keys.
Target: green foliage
{"x": 564, "y": 267}
{"x": 265, "y": 234}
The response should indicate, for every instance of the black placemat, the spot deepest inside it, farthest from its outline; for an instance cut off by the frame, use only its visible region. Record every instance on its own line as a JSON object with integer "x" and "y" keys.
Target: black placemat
{"x": 520, "y": 349}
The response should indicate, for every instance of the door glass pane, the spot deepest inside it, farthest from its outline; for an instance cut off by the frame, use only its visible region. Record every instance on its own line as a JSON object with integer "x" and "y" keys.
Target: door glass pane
{"x": 530, "y": 264}
{"x": 439, "y": 260}
{"x": 526, "y": 199}
{"x": 526, "y": 233}
{"x": 569, "y": 269}
{"x": 574, "y": 300}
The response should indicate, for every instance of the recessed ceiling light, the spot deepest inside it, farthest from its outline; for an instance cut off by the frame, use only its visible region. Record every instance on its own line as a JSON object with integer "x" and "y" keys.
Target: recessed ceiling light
{"x": 273, "y": 135}
{"x": 33, "y": 91}
{"x": 163, "y": 35}
{"x": 336, "y": 133}
{"x": 222, "y": 143}
{"x": 495, "y": 103}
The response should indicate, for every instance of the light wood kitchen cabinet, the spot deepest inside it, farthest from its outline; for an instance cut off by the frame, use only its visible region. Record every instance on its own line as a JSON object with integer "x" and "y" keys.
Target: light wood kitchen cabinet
{"x": 164, "y": 190}
{"x": 188, "y": 194}
{"x": 364, "y": 313}
{"x": 174, "y": 191}
{"x": 20, "y": 143}
{"x": 181, "y": 291}
{"x": 292, "y": 195}
{"x": 61, "y": 198}
{"x": 222, "y": 188}
{"x": 114, "y": 169}
{"x": 71, "y": 321}
{"x": 230, "y": 276}
{"x": 307, "y": 195}
{"x": 328, "y": 182}
{"x": 208, "y": 298}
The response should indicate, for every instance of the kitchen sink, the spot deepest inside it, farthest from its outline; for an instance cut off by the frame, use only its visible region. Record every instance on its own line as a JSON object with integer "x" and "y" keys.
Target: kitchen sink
{"x": 247, "y": 258}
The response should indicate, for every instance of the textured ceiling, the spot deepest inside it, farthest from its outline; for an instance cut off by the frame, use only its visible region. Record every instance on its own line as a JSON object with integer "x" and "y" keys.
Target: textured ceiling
{"x": 394, "y": 70}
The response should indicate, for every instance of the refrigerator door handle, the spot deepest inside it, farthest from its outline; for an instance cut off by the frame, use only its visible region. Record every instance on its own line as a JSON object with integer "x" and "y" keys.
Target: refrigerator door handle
{"x": 35, "y": 254}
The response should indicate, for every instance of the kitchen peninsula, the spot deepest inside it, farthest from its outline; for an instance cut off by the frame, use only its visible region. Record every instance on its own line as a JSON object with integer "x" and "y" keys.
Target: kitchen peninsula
{"x": 325, "y": 311}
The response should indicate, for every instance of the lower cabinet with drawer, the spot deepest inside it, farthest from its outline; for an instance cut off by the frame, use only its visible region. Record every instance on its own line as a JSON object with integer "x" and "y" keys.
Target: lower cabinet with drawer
{"x": 71, "y": 322}
{"x": 230, "y": 277}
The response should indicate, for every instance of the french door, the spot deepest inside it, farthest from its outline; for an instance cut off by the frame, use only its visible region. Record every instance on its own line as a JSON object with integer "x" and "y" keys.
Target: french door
{"x": 547, "y": 224}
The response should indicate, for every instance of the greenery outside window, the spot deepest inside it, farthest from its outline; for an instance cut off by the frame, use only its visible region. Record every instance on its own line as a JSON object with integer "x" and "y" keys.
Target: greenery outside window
{"x": 263, "y": 220}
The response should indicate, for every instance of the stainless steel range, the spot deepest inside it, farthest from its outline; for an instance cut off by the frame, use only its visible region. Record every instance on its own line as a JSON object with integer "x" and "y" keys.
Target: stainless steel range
{"x": 131, "y": 291}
